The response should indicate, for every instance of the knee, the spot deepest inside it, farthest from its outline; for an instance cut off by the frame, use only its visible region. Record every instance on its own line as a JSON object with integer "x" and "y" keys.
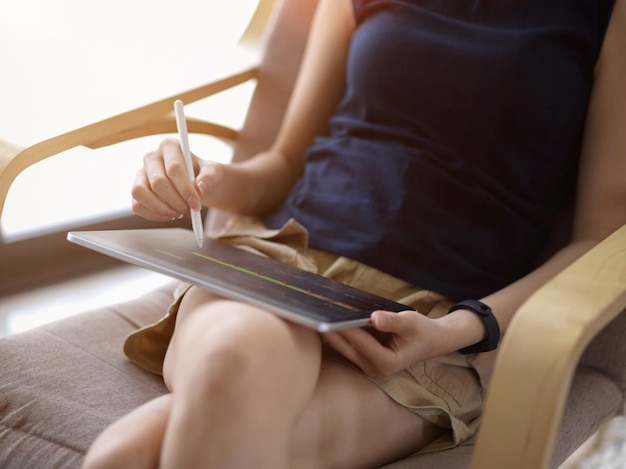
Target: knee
{"x": 240, "y": 343}
{"x": 201, "y": 350}
{"x": 211, "y": 366}
{"x": 225, "y": 364}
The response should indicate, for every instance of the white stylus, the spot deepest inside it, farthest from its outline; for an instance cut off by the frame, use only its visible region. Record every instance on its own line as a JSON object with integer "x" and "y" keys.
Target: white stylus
{"x": 181, "y": 124}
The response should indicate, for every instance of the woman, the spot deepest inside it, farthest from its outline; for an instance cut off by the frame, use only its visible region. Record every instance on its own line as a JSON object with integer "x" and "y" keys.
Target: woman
{"x": 426, "y": 149}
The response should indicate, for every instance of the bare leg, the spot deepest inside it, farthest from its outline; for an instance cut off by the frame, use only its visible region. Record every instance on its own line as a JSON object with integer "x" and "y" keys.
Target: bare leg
{"x": 351, "y": 423}
{"x": 240, "y": 378}
{"x": 214, "y": 385}
{"x": 133, "y": 441}
{"x": 249, "y": 390}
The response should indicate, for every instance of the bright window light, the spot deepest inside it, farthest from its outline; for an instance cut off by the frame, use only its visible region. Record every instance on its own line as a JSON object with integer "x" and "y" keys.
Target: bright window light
{"x": 72, "y": 62}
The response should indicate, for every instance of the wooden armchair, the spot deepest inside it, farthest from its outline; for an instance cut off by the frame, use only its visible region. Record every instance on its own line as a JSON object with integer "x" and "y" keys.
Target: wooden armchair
{"x": 560, "y": 372}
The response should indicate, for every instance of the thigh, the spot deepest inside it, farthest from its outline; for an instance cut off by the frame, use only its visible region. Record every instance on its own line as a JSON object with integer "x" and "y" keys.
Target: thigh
{"x": 351, "y": 422}
{"x": 209, "y": 326}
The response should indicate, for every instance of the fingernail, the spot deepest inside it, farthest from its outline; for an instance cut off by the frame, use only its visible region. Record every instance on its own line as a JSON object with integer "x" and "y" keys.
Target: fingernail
{"x": 194, "y": 203}
{"x": 202, "y": 187}
{"x": 379, "y": 319}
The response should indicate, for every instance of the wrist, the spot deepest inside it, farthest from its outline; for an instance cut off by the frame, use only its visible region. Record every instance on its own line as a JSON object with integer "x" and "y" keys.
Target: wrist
{"x": 463, "y": 329}
{"x": 491, "y": 327}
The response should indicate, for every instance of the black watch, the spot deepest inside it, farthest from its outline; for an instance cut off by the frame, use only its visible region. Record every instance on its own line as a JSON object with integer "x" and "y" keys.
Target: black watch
{"x": 489, "y": 320}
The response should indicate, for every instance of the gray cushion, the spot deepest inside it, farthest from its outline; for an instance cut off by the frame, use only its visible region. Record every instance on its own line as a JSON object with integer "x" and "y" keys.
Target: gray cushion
{"x": 62, "y": 384}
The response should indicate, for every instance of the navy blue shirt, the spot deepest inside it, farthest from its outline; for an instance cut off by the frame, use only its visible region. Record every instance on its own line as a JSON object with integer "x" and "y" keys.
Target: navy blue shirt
{"x": 457, "y": 140}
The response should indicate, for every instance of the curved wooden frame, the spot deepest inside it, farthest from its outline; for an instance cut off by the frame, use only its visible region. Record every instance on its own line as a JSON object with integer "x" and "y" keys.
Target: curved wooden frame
{"x": 540, "y": 352}
{"x": 151, "y": 119}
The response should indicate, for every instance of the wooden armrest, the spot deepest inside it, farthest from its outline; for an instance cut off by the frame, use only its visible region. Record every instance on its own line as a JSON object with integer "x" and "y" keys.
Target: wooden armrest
{"x": 539, "y": 355}
{"x": 150, "y": 119}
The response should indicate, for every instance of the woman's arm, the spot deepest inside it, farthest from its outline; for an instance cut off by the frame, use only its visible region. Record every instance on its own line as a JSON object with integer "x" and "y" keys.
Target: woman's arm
{"x": 253, "y": 187}
{"x": 600, "y": 210}
{"x": 601, "y": 193}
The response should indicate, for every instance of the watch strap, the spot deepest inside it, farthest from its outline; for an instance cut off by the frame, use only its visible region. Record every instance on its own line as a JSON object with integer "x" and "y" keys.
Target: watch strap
{"x": 489, "y": 320}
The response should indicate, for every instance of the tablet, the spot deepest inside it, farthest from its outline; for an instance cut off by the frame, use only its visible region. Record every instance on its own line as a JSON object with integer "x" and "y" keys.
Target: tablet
{"x": 294, "y": 294}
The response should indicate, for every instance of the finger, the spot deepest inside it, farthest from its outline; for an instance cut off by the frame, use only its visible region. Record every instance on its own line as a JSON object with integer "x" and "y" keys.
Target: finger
{"x": 176, "y": 171}
{"x": 143, "y": 212}
{"x": 338, "y": 342}
{"x": 364, "y": 350}
{"x": 397, "y": 323}
{"x": 146, "y": 204}
{"x": 209, "y": 175}
{"x": 159, "y": 183}
{"x": 381, "y": 357}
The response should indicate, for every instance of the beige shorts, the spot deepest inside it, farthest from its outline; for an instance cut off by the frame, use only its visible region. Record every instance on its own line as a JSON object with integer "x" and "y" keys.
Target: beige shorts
{"x": 447, "y": 390}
